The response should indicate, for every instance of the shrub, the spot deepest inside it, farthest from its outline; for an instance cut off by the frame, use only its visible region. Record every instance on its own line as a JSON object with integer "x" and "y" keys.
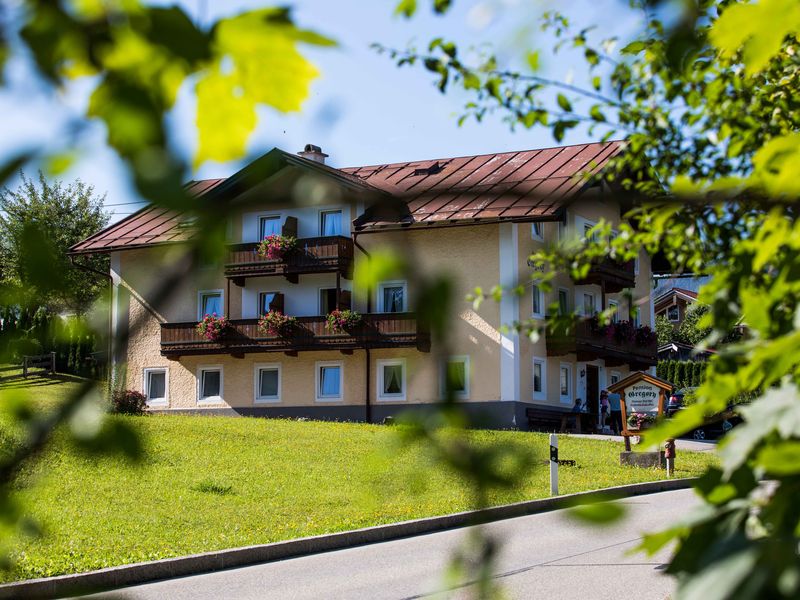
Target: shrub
{"x": 340, "y": 321}
{"x": 25, "y": 347}
{"x": 212, "y": 327}
{"x": 276, "y": 247}
{"x": 128, "y": 402}
{"x": 276, "y": 323}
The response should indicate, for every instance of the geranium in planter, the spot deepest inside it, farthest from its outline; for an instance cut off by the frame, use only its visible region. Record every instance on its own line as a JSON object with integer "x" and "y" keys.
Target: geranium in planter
{"x": 212, "y": 327}
{"x": 638, "y": 421}
{"x": 277, "y": 247}
{"x": 342, "y": 321}
{"x": 276, "y": 323}
{"x": 645, "y": 336}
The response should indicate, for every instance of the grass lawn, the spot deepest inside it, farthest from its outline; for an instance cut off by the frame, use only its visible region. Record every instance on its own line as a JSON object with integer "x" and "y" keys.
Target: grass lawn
{"x": 209, "y": 483}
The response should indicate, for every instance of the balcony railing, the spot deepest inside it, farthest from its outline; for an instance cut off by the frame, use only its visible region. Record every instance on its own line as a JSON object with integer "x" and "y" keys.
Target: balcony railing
{"x": 614, "y": 275}
{"x": 636, "y": 346}
{"x": 394, "y": 330}
{"x": 313, "y": 255}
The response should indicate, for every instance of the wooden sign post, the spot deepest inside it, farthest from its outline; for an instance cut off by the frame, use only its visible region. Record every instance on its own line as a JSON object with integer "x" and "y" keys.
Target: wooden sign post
{"x": 643, "y": 395}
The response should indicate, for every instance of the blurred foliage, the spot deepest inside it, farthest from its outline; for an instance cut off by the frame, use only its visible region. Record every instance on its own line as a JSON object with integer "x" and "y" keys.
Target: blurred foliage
{"x": 708, "y": 103}
{"x": 39, "y": 223}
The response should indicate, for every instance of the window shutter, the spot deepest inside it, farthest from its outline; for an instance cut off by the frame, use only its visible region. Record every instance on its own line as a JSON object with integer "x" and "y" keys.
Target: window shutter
{"x": 290, "y": 227}
{"x": 277, "y": 302}
{"x": 345, "y": 299}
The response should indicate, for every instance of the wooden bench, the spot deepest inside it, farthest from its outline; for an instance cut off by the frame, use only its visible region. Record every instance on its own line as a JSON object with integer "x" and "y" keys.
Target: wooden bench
{"x": 553, "y": 419}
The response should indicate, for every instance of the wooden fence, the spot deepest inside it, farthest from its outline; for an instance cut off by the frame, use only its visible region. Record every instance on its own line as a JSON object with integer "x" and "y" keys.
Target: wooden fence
{"x": 41, "y": 361}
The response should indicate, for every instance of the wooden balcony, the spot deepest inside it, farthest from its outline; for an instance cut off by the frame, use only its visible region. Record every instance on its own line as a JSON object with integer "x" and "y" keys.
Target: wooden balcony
{"x": 394, "y": 330}
{"x": 589, "y": 342}
{"x": 313, "y": 255}
{"x": 613, "y": 275}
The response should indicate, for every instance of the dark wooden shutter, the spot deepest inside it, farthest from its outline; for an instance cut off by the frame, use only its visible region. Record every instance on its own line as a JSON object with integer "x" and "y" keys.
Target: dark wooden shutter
{"x": 277, "y": 302}
{"x": 345, "y": 300}
{"x": 290, "y": 227}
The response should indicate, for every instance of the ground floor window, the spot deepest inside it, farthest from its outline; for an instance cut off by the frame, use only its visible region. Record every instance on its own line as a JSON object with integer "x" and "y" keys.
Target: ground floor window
{"x": 392, "y": 379}
{"x": 539, "y": 376}
{"x": 565, "y": 382}
{"x": 155, "y": 386}
{"x": 455, "y": 377}
{"x": 267, "y": 383}
{"x": 209, "y": 383}
{"x": 329, "y": 380}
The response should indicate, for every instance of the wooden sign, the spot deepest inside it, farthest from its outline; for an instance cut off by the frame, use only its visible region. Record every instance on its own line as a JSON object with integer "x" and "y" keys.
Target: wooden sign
{"x": 641, "y": 394}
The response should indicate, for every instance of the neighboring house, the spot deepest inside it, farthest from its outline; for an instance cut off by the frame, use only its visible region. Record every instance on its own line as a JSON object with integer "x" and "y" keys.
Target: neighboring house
{"x": 477, "y": 218}
{"x": 673, "y": 303}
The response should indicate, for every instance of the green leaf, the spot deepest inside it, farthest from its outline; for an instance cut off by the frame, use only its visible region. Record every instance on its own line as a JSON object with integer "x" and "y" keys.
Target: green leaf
{"x": 563, "y": 103}
{"x": 598, "y": 513}
{"x": 533, "y": 60}
{"x": 781, "y": 458}
{"x": 406, "y": 8}
{"x": 597, "y": 114}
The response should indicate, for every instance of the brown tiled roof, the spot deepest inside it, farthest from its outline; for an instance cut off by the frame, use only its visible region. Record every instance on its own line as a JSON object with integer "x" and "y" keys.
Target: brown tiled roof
{"x": 527, "y": 185}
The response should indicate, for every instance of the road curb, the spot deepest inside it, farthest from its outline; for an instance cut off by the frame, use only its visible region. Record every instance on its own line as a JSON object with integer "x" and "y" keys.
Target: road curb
{"x": 125, "y": 575}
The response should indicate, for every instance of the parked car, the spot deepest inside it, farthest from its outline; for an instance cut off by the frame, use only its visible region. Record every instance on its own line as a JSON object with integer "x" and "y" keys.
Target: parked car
{"x": 715, "y": 426}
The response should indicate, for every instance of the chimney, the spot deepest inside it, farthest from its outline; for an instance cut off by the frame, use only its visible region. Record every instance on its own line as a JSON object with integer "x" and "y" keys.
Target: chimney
{"x": 315, "y": 153}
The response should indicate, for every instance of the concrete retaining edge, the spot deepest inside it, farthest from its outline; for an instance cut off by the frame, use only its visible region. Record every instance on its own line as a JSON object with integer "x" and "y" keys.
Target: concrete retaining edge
{"x": 195, "y": 564}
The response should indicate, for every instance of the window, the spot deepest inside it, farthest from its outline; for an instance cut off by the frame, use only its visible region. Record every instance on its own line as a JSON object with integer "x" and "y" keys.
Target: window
{"x": 565, "y": 382}
{"x": 392, "y": 297}
{"x": 327, "y": 300}
{"x": 330, "y": 222}
{"x": 563, "y": 302}
{"x": 209, "y": 384}
{"x": 455, "y": 377}
{"x": 588, "y": 305}
{"x": 615, "y": 377}
{"x": 588, "y": 234}
{"x": 208, "y": 303}
{"x": 269, "y": 226}
{"x": 268, "y": 383}
{"x": 265, "y": 301}
{"x": 539, "y": 379}
{"x": 329, "y": 381}
{"x": 391, "y": 379}
{"x": 155, "y": 387}
{"x": 674, "y": 314}
{"x": 538, "y": 302}
{"x": 537, "y": 231}
{"x": 636, "y": 317}
{"x": 614, "y": 305}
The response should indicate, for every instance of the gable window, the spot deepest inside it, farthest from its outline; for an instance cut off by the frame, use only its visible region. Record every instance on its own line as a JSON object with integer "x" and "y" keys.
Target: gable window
{"x": 538, "y": 302}
{"x": 614, "y": 305}
{"x": 269, "y": 226}
{"x": 327, "y": 300}
{"x": 455, "y": 377}
{"x": 565, "y": 382}
{"x": 615, "y": 377}
{"x": 266, "y": 302}
{"x": 268, "y": 383}
{"x": 392, "y": 297}
{"x": 588, "y": 305}
{"x": 209, "y": 384}
{"x": 537, "y": 232}
{"x": 155, "y": 387}
{"x": 391, "y": 379}
{"x": 539, "y": 376}
{"x": 330, "y": 222}
{"x": 208, "y": 303}
{"x": 329, "y": 380}
{"x": 674, "y": 314}
{"x": 563, "y": 302}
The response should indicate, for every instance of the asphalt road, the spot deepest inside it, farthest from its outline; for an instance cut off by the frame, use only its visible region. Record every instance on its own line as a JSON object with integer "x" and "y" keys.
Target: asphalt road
{"x": 547, "y": 556}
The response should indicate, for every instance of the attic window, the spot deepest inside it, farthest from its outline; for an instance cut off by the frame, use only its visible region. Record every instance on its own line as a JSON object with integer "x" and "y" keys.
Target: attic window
{"x": 188, "y": 221}
{"x": 432, "y": 170}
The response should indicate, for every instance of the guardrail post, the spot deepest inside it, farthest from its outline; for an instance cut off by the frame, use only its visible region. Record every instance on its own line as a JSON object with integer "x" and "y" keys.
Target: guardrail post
{"x": 553, "y": 464}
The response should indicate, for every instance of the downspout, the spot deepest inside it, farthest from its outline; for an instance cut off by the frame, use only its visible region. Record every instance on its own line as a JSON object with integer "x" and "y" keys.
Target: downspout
{"x": 110, "y": 312}
{"x": 368, "y": 405}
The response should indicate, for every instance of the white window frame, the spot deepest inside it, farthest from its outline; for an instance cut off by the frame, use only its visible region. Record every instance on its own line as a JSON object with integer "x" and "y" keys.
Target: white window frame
{"x": 262, "y": 216}
{"x": 541, "y": 394}
{"x": 614, "y": 374}
{"x": 566, "y": 295}
{"x": 443, "y": 377}
{"x": 319, "y": 298}
{"x": 636, "y": 317}
{"x": 257, "y": 368}
{"x": 678, "y": 315}
{"x": 539, "y": 237}
{"x": 579, "y": 301}
{"x": 582, "y": 225}
{"x": 199, "y": 384}
{"x": 200, "y": 294}
{"x": 536, "y": 290}
{"x": 317, "y": 368}
{"x": 384, "y": 284}
{"x": 614, "y": 304}
{"x": 390, "y": 362}
{"x": 570, "y": 384}
{"x": 330, "y": 210}
{"x": 145, "y": 386}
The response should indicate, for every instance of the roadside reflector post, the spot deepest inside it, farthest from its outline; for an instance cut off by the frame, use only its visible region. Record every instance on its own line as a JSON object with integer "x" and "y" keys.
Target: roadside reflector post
{"x": 553, "y": 464}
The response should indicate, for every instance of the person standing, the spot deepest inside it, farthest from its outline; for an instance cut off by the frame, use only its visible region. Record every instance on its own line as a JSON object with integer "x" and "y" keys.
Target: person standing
{"x": 616, "y": 413}
{"x": 603, "y": 409}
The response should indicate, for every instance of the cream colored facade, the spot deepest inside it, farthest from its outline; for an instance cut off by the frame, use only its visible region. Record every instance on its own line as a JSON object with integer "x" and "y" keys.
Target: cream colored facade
{"x": 499, "y": 365}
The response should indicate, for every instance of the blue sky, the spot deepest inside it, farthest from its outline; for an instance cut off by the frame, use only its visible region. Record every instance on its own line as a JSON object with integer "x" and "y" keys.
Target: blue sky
{"x": 362, "y": 109}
